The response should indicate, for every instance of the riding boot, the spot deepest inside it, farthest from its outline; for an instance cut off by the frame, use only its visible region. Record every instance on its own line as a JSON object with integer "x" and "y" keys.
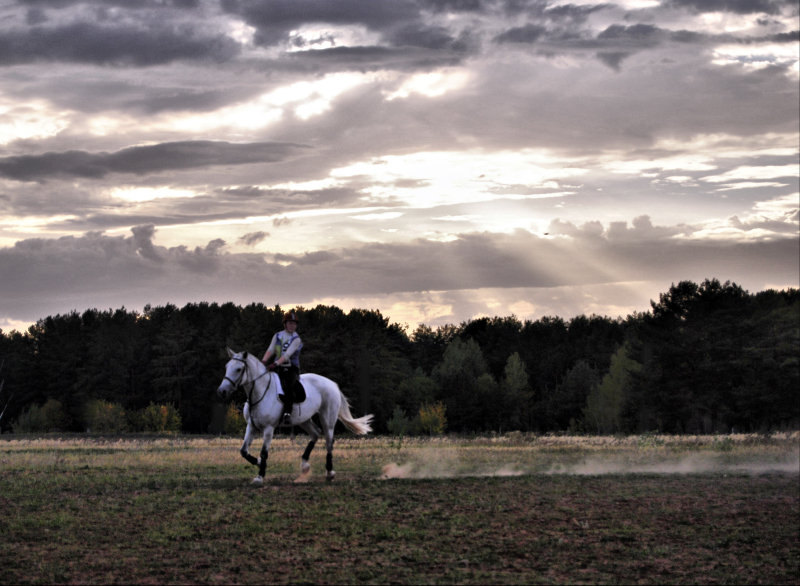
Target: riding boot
{"x": 286, "y": 416}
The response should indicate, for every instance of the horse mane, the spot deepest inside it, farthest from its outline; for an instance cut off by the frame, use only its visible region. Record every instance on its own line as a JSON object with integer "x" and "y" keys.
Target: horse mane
{"x": 250, "y": 358}
{"x": 255, "y": 367}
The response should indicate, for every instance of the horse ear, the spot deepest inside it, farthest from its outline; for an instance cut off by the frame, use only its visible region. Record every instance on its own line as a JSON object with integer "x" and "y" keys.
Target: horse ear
{"x": 230, "y": 353}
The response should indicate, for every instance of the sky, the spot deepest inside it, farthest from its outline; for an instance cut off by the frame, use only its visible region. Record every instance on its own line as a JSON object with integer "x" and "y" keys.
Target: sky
{"x": 435, "y": 160}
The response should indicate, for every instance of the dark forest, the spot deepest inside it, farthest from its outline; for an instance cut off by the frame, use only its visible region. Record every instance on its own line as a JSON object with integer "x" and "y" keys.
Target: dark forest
{"x": 706, "y": 358}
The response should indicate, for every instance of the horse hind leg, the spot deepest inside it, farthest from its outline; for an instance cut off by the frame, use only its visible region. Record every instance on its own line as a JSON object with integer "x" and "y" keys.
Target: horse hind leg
{"x": 262, "y": 460}
{"x": 305, "y": 467}
{"x": 328, "y": 415}
{"x": 330, "y": 472}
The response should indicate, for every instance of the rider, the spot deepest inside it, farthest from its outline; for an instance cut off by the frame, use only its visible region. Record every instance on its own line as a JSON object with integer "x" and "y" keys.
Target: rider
{"x": 285, "y": 347}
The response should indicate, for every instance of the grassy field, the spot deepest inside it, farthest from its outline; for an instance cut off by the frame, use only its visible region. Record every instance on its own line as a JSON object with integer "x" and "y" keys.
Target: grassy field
{"x": 502, "y": 510}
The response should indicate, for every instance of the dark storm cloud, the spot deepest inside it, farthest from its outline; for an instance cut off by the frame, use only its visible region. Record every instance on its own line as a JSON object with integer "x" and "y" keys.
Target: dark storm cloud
{"x": 117, "y": 45}
{"x": 456, "y": 5}
{"x": 406, "y": 42}
{"x": 142, "y": 160}
{"x": 131, "y": 4}
{"x": 159, "y": 216}
{"x": 109, "y": 271}
{"x": 98, "y": 264}
{"x": 114, "y": 92}
{"x": 623, "y": 39}
{"x": 253, "y": 238}
{"x": 640, "y": 35}
{"x": 177, "y": 99}
{"x": 735, "y": 6}
{"x": 590, "y": 255}
{"x": 436, "y": 38}
{"x": 374, "y": 58}
{"x": 308, "y": 259}
{"x": 143, "y": 242}
{"x": 285, "y": 200}
{"x": 530, "y": 33}
{"x": 99, "y": 270}
{"x": 274, "y": 20}
{"x": 35, "y": 16}
{"x": 89, "y": 212}
{"x": 611, "y": 46}
{"x": 87, "y": 209}
{"x": 618, "y": 42}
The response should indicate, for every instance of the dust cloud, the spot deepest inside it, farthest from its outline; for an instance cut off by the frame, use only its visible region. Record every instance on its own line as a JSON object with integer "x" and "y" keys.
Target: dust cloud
{"x": 691, "y": 464}
{"x": 415, "y": 470}
{"x": 434, "y": 464}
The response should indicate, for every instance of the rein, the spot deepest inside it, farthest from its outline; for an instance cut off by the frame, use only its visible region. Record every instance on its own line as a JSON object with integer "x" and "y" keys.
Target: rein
{"x": 238, "y": 383}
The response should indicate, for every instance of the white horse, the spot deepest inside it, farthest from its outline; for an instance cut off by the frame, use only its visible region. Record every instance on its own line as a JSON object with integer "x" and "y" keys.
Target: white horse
{"x": 263, "y": 409}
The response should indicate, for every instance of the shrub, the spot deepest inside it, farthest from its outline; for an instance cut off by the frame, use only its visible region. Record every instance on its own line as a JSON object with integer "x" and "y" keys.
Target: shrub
{"x": 48, "y": 417}
{"x": 159, "y": 419}
{"x": 234, "y": 421}
{"x": 433, "y": 418}
{"x": 399, "y": 424}
{"x": 105, "y": 417}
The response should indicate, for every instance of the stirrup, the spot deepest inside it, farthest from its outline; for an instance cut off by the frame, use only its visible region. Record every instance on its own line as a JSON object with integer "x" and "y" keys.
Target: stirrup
{"x": 287, "y": 419}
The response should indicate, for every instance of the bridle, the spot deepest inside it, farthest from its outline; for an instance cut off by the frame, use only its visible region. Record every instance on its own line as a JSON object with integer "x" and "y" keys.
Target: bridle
{"x": 239, "y": 382}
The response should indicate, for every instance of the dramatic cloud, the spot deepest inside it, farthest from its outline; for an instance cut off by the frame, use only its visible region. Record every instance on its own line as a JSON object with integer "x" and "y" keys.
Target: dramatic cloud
{"x": 134, "y": 270}
{"x": 434, "y": 159}
{"x": 141, "y": 160}
{"x": 111, "y": 45}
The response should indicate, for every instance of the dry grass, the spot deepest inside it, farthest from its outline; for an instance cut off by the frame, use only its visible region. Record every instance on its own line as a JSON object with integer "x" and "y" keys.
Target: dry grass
{"x": 434, "y": 456}
{"x": 502, "y": 510}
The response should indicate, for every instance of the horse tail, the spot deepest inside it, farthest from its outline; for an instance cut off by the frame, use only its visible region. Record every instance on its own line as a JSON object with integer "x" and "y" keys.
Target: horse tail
{"x": 360, "y": 426}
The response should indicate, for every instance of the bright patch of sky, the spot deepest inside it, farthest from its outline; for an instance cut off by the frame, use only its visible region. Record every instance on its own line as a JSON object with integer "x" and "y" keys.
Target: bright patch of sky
{"x": 35, "y": 120}
{"x": 758, "y": 56}
{"x": 465, "y": 177}
{"x": 431, "y": 85}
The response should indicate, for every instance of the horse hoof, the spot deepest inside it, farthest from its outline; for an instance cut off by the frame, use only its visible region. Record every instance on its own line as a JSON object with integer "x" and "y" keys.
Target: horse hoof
{"x": 258, "y": 481}
{"x": 330, "y": 475}
{"x": 305, "y": 467}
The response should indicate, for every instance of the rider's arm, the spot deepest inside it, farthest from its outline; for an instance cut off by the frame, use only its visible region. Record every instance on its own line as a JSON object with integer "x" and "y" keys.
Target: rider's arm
{"x": 270, "y": 350}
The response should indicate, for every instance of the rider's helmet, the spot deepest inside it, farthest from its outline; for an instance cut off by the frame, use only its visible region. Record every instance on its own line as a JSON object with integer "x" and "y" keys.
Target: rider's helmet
{"x": 290, "y": 316}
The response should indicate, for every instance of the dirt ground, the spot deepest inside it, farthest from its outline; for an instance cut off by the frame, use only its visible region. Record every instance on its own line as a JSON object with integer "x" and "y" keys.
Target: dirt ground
{"x": 178, "y": 512}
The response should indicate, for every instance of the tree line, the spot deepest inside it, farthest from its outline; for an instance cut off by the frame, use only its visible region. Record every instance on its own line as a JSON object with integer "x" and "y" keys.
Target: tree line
{"x": 705, "y": 358}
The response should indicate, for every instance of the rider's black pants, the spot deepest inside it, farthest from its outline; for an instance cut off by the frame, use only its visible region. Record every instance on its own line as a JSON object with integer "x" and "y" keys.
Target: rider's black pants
{"x": 289, "y": 377}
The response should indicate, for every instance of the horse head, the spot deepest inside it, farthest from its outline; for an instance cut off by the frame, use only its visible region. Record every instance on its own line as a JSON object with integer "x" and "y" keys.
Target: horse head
{"x": 235, "y": 374}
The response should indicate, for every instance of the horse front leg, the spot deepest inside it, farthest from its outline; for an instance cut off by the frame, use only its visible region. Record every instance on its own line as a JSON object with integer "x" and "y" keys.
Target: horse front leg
{"x": 245, "y": 449}
{"x": 262, "y": 460}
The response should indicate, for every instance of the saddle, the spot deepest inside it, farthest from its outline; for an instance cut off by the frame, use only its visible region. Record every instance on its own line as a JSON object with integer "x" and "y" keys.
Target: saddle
{"x": 294, "y": 393}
